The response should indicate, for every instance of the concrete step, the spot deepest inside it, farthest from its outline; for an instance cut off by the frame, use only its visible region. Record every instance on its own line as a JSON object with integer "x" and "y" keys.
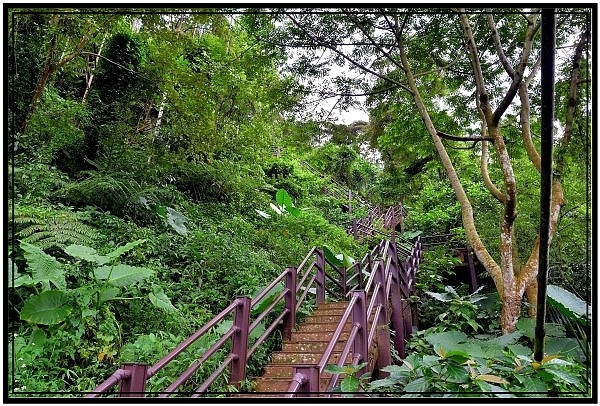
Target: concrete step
{"x": 311, "y": 346}
{"x": 320, "y": 318}
{"x": 281, "y": 385}
{"x": 333, "y": 305}
{"x": 284, "y": 371}
{"x": 303, "y": 358}
{"x": 327, "y": 327}
{"x": 316, "y": 336}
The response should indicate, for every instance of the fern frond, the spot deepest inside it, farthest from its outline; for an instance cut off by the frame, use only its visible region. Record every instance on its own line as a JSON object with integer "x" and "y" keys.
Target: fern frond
{"x": 56, "y": 232}
{"x": 103, "y": 190}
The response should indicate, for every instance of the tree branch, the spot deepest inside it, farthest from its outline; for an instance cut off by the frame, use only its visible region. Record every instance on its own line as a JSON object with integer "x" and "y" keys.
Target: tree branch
{"x": 532, "y": 28}
{"x": 108, "y": 60}
{"x": 458, "y": 138}
{"x": 571, "y": 101}
{"x": 379, "y": 48}
{"x": 346, "y": 57}
{"x": 499, "y": 51}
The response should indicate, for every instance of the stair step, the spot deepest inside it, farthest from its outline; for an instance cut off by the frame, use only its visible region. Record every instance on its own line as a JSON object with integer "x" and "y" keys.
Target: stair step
{"x": 334, "y": 305}
{"x": 328, "y": 312}
{"x": 284, "y": 371}
{"x": 319, "y": 318}
{"x": 311, "y": 346}
{"x": 281, "y": 385}
{"x": 316, "y": 336}
{"x": 322, "y": 328}
{"x": 303, "y": 358}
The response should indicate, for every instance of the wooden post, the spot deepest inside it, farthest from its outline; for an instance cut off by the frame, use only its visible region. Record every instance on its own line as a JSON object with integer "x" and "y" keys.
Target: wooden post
{"x": 310, "y": 387}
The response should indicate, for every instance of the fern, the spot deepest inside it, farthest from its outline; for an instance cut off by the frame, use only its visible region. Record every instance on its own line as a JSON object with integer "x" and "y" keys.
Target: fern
{"x": 114, "y": 192}
{"x": 102, "y": 190}
{"x": 53, "y": 230}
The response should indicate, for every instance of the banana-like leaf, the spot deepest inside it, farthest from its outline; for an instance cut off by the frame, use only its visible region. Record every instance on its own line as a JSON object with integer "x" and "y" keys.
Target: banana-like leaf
{"x": 46, "y": 308}
{"x": 263, "y": 214}
{"x": 123, "y": 249}
{"x": 122, "y": 275}
{"x": 86, "y": 253}
{"x": 568, "y": 304}
{"x": 283, "y": 198}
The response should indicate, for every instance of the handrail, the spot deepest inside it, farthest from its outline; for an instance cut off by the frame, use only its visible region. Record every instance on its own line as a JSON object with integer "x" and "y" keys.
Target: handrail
{"x": 385, "y": 287}
{"x": 112, "y": 380}
{"x": 379, "y": 276}
{"x": 302, "y": 279}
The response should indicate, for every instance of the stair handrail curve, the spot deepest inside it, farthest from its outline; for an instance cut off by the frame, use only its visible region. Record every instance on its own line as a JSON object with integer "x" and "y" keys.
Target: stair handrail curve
{"x": 389, "y": 285}
{"x": 315, "y": 274}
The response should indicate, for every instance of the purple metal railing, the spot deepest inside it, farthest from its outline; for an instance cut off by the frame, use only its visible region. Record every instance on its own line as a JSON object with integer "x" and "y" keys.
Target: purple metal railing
{"x": 378, "y": 275}
{"x": 388, "y": 286}
{"x": 314, "y": 274}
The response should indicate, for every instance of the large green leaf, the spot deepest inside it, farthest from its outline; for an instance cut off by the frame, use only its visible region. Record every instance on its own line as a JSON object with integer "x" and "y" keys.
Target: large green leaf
{"x": 123, "y": 249}
{"x": 86, "y": 253}
{"x": 447, "y": 339}
{"x": 568, "y": 304}
{"x": 108, "y": 293}
{"x": 44, "y": 268}
{"x": 442, "y": 297}
{"x": 331, "y": 257}
{"x": 177, "y": 221}
{"x": 14, "y": 278}
{"x": 46, "y": 308}
{"x": 159, "y": 299}
{"x": 283, "y": 199}
{"x": 266, "y": 301}
{"x": 122, "y": 275}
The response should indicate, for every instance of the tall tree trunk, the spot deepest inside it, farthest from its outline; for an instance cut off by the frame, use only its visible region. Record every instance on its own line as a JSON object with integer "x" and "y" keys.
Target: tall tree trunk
{"x": 50, "y": 67}
{"x": 90, "y": 78}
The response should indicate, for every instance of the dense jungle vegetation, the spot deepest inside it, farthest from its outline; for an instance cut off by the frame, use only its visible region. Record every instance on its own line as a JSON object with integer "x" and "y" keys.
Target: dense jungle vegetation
{"x": 146, "y": 148}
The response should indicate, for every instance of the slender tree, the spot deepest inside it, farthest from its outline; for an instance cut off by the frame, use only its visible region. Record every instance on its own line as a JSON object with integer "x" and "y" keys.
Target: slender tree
{"x": 479, "y": 67}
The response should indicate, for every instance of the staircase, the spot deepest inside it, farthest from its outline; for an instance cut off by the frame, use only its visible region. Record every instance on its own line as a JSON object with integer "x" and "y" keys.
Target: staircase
{"x": 306, "y": 346}
{"x": 356, "y": 309}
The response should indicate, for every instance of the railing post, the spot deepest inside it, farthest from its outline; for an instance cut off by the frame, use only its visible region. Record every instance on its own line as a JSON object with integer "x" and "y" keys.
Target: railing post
{"x": 406, "y": 306}
{"x": 359, "y": 315}
{"x": 397, "y": 316}
{"x": 380, "y": 299}
{"x": 384, "y": 353}
{"x": 311, "y": 386}
{"x": 289, "y": 320}
{"x": 320, "y": 264}
{"x": 239, "y": 345}
{"x": 135, "y": 385}
{"x": 358, "y": 270}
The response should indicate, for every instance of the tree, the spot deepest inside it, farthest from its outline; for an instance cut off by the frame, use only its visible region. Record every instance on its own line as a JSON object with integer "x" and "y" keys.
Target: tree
{"x": 478, "y": 82}
{"x": 64, "y": 38}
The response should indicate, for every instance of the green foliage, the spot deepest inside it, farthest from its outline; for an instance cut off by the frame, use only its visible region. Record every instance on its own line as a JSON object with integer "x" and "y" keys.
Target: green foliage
{"x": 568, "y": 304}
{"x": 51, "y": 228}
{"x": 461, "y": 311}
{"x": 455, "y": 365}
{"x": 55, "y": 132}
{"x": 47, "y": 308}
{"x": 349, "y": 384}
